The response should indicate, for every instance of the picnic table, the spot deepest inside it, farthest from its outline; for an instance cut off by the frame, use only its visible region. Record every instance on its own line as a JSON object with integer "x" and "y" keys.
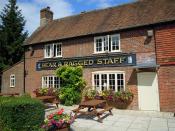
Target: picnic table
{"x": 92, "y": 106}
{"x": 9, "y": 94}
{"x": 50, "y": 99}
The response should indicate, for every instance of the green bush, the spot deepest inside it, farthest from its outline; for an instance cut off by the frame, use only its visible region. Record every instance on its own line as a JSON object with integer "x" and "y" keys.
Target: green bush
{"x": 20, "y": 114}
{"x": 72, "y": 84}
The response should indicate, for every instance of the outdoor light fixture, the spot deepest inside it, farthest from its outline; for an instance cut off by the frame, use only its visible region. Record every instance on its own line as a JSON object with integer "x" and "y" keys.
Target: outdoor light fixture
{"x": 150, "y": 33}
{"x": 31, "y": 48}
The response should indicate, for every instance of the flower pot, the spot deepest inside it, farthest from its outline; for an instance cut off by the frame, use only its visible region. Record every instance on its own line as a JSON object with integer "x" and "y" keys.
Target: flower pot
{"x": 86, "y": 98}
{"x": 122, "y": 104}
{"x": 64, "y": 129}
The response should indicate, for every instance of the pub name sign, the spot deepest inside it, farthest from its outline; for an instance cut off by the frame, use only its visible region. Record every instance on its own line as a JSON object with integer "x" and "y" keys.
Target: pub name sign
{"x": 88, "y": 62}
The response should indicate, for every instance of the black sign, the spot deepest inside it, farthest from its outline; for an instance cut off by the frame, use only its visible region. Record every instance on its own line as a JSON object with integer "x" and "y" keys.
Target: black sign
{"x": 88, "y": 61}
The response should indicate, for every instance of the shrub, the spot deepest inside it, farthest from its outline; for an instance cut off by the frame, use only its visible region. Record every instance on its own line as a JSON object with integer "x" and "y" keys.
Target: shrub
{"x": 72, "y": 84}
{"x": 20, "y": 113}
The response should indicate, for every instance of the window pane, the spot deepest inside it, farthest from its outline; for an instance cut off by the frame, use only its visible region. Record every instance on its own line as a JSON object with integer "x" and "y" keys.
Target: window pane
{"x": 105, "y": 41}
{"x": 54, "y": 50}
{"x": 58, "y": 49}
{"x": 120, "y": 82}
{"x": 50, "y": 82}
{"x": 115, "y": 42}
{"x": 104, "y": 81}
{"x": 12, "y": 80}
{"x": 99, "y": 45}
{"x": 56, "y": 82}
{"x": 112, "y": 81}
{"x": 48, "y": 50}
{"x": 96, "y": 81}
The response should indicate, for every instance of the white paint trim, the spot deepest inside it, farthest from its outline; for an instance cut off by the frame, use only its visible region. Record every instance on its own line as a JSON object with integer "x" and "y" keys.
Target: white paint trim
{"x": 12, "y": 78}
{"x": 112, "y": 71}
{"x": 108, "y": 72}
{"x": 109, "y": 43}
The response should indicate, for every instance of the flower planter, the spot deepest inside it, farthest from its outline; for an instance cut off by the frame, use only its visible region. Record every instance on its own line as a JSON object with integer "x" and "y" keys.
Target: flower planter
{"x": 64, "y": 129}
{"x": 122, "y": 104}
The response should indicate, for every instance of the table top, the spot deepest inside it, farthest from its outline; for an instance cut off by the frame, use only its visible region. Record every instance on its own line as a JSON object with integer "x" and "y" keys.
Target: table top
{"x": 45, "y": 97}
{"x": 92, "y": 103}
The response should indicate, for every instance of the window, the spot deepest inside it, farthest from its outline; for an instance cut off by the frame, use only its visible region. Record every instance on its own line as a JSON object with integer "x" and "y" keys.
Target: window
{"x": 108, "y": 80}
{"x": 109, "y": 43}
{"x": 12, "y": 80}
{"x": 52, "y": 50}
{"x": 50, "y": 82}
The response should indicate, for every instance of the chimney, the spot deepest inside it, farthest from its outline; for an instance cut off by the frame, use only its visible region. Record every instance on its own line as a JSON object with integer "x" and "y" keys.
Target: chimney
{"x": 46, "y": 16}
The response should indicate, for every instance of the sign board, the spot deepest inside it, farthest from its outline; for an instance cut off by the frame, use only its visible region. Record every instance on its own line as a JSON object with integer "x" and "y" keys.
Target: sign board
{"x": 88, "y": 61}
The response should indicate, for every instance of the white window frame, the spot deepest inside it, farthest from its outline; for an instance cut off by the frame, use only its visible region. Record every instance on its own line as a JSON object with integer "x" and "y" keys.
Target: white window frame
{"x": 12, "y": 80}
{"x": 45, "y": 48}
{"x": 47, "y": 83}
{"x": 116, "y": 35}
{"x": 95, "y": 44}
{"x": 52, "y": 50}
{"x": 109, "y": 43}
{"x": 108, "y": 72}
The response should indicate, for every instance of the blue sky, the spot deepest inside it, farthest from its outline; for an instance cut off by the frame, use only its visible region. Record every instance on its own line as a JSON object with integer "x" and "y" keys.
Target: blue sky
{"x": 61, "y": 8}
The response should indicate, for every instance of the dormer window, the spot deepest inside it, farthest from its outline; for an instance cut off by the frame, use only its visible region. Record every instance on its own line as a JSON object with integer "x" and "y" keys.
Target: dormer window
{"x": 109, "y": 43}
{"x": 52, "y": 50}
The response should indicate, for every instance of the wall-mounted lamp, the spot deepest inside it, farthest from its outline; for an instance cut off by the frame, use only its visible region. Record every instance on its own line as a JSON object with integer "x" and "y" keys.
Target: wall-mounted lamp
{"x": 31, "y": 48}
{"x": 150, "y": 33}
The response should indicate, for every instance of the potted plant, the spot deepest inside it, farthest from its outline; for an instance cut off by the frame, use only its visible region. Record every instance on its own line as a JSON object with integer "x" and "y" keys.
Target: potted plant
{"x": 58, "y": 121}
{"x": 123, "y": 99}
{"x": 90, "y": 94}
{"x": 46, "y": 92}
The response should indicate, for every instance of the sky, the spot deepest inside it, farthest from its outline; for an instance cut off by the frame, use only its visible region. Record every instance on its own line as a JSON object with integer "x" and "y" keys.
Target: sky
{"x": 30, "y": 9}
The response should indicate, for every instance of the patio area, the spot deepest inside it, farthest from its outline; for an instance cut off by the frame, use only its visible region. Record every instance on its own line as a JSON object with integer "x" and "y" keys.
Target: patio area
{"x": 123, "y": 120}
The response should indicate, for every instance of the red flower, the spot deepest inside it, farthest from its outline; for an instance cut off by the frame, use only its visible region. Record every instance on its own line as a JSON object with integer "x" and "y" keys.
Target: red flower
{"x": 61, "y": 111}
{"x": 50, "y": 116}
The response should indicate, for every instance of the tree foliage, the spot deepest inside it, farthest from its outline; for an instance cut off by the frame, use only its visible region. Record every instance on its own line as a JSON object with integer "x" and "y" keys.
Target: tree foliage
{"x": 12, "y": 35}
{"x": 72, "y": 84}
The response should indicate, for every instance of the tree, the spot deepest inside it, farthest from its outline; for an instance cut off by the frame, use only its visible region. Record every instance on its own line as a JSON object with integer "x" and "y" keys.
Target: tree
{"x": 12, "y": 35}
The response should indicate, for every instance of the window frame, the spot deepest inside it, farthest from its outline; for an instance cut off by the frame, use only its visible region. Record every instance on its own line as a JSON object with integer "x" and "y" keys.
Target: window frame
{"x": 119, "y": 50}
{"x": 108, "y": 73}
{"x": 43, "y": 85}
{"x": 45, "y": 48}
{"x": 108, "y": 37}
{"x": 12, "y": 80}
{"x": 52, "y": 50}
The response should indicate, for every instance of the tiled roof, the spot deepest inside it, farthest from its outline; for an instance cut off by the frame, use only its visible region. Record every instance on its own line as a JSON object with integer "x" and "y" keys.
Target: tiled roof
{"x": 135, "y": 14}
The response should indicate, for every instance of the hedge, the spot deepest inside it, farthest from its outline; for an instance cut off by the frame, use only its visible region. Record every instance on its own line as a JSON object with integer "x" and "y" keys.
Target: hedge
{"x": 20, "y": 114}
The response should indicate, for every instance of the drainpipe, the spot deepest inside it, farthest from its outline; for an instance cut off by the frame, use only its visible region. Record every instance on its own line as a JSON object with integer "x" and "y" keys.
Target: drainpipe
{"x": 24, "y": 72}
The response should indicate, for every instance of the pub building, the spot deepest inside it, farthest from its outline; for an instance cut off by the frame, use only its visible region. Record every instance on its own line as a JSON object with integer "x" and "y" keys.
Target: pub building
{"x": 127, "y": 46}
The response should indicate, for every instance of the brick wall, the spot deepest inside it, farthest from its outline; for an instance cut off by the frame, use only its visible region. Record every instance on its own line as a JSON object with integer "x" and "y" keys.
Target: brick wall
{"x": 165, "y": 52}
{"x": 18, "y": 71}
{"x": 166, "y": 76}
{"x": 165, "y": 44}
{"x": 134, "y": 41}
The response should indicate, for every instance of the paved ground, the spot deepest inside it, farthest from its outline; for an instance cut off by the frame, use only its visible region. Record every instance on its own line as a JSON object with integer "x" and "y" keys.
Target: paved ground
{"x": 125, "y": 120}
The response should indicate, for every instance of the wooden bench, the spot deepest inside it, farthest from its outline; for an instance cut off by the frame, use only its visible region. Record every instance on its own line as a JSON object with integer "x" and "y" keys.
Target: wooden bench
{"x": 104, "y": 110}
{"x": 9, "y": 94}
{"x": 49, "y": 99}
{"x": 92, "y": 107}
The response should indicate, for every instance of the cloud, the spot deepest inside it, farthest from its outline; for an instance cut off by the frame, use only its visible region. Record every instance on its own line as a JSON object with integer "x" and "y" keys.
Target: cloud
{"x": 103, "y": 3}
{"x": 31, "y": 10}
{"x": 3, "y": 2}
